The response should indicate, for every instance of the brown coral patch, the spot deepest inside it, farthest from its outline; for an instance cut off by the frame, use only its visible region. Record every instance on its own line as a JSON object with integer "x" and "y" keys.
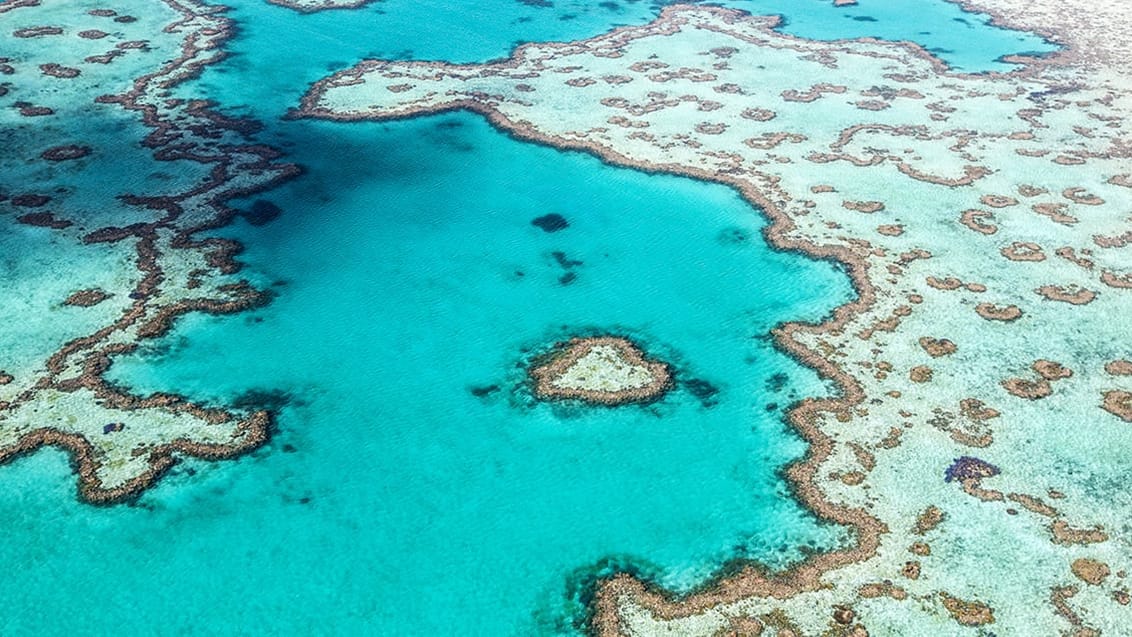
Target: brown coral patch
{"x": 647, "y": 65}
{"x": 936, "y": 347}
{"x": 1064, "y": 534}
{"x": 1121, "y": 180}
{"x": 105, "y": 58}
{"x": 545, "y": 373}
{"x": 1070, "y": 255}
{"x": 1115, "y": 241}
{"x": 1023, "y": 251}
{"x": 1119, "y": 281}
{"x": 881, "y": 589}
{"x": 1067, "y": 160}
{"x": 1033, "y": 504}
{"x": 844, "y": 616}
{"x": 615, "y": 102}
{"x": 872, "y": 105}
{"x": 865, "y": 458}
{"x": 710, "y": 128}
{"x": 1090, "y": 571}
{"x": 1056, "y": 212}
{"x": 992, "y": 312}
{"x": 1081, "y": 196}
{"x": 30, "y": 200}
{"x": 1118, "y": 403}
{"x": 1059, "y": 598}
{"x": 92, "y": 34}
{"x": 27, "y": 109}
{"x": 973, "y": 219}
{"x": 1071, "y": 294}
{"x": 86, "y": 298}
{"x": 891, "y": 230}
{"x": 814, "y": 93}
{"x": 975, "y": 409}
{"x": 758, "y": 114}
{"x": 920, "y": 374}
{"x": 65, "y": 153}
{"x": 1051, "y": 370}
{"x": 927, "y": 520}
{"x": 44, "y": 220}
{"x": 58, "y": 70}
{"x": 742, "y": 627}
{"x": 891, "y": 440}
{"x": 967, "y": 613}
{"x": 948, "y": 283}
{"x": 866, "y": 207}
{"x": 1028, "y": 389}
{"x": 1119, "y": 368}
{"x": 767, "y": 141}
{"x": 37, "y": 32}
{"x": 1027, "y": 190}
{"x": 998, "y": 201}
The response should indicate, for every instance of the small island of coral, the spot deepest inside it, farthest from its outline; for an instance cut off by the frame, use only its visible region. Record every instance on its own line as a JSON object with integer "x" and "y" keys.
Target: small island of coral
{"x": 601, "y": 370}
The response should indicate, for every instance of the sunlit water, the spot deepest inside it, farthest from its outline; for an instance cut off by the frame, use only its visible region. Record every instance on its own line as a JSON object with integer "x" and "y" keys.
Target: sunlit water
{"x": 413, "y": 485}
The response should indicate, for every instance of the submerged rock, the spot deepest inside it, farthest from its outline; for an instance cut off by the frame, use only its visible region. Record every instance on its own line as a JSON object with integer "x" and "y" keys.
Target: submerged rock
{"x": 552, "y": 222}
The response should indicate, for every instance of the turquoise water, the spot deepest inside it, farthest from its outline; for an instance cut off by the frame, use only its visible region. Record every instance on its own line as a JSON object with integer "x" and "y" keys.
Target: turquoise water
{"x": 279, "y": 53}
{"x": 392, "y": 490}
{"x": 413, "y": 486}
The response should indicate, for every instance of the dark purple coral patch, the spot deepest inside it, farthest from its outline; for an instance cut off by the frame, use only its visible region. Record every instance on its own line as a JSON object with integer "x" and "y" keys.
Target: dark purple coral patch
{"x": 967, "y": 467}
{"x": 66, "y": 153}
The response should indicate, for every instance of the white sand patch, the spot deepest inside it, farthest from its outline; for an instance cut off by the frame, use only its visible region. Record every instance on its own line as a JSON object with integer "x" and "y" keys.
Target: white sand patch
{"x": 603, "y": 369}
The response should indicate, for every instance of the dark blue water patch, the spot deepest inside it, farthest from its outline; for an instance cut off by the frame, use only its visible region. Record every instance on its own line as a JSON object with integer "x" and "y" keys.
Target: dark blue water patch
{"x": 552, "y": 222}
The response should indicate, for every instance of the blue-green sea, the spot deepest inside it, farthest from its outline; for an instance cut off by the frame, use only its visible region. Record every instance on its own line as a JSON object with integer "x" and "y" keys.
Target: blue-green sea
{"x": 412, "y": 485}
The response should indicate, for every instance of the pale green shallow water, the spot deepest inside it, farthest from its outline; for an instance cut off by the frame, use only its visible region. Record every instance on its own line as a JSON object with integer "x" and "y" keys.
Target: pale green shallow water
{"x": 392, "y": 499}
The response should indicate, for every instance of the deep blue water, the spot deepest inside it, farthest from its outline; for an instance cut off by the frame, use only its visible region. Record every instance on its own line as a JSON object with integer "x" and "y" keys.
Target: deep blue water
{"x": 394, "y": 499}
